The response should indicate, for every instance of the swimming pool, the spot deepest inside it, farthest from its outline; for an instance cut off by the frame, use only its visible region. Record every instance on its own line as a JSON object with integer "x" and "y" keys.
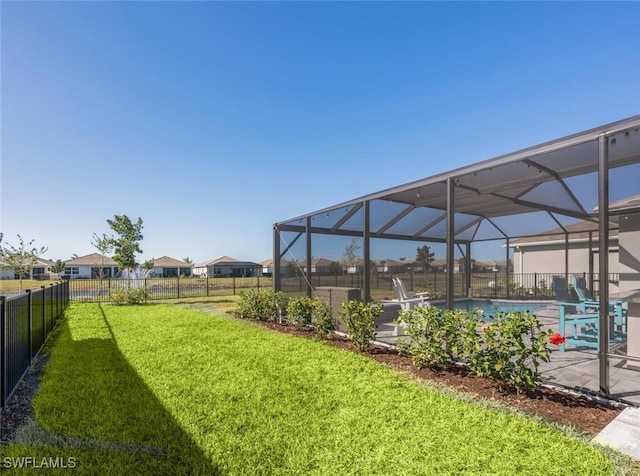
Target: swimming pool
{"x": 491, "y": 306}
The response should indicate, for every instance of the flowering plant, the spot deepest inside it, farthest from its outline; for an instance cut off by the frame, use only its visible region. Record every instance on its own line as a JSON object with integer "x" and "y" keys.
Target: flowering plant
{"x": 557, "y": 339}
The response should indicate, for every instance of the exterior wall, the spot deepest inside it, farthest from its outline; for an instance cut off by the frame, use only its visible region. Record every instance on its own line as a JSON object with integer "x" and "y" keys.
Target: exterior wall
{"x": 630, "y": 253}
{"x": 85, "y": 271}
{"x": 551, "y": 259}
{"x": 228, "y": 271}
{"x": 171, "y": 271}
{"x": 630, "y": 281}
{"x": 201, "y": 271}
{"x": 7, "y": 274}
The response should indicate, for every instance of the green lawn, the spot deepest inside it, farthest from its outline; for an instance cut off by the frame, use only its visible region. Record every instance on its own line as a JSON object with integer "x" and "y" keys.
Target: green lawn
{"x": 161, "y": 389}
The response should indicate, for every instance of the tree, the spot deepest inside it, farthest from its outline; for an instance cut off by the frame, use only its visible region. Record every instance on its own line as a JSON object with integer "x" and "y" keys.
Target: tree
{"x": 20, "y": 258}
{"x": 351, "y": 252}
{"x": 58, "y": 267}
{"x": 424, "y": 258}
{"x": 127, "y": 244}
{"x": 104, "y": 244}
{"x": 335, "y": 268}
{"x": 188, "y": 260}
{"x": 148, "y": 265}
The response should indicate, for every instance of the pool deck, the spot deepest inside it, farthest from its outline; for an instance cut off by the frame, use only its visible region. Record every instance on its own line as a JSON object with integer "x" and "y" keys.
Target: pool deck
{"x": 574, "y": 369}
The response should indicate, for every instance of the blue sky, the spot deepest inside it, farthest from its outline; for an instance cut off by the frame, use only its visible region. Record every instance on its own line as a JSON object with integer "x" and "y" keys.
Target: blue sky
{"x": 213, "y": 120}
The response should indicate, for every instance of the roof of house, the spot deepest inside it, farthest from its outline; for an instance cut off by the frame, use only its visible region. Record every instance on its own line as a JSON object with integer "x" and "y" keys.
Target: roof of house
{"x": 225, "y": 261}
{"x": 204, "y": 264}
{"x": 578, "y": 230}
{"x": 168, "y": 262}
{"x": 94, "y": 259}
{"x": 269, "y": 263}
{"x": 44, "y": 262}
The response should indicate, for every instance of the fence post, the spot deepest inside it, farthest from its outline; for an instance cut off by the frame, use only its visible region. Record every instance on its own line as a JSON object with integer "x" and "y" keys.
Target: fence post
{"x": 29, "y": 317}
{"x": 3, "y": 354}
{"x": 44, "y": 314}
{"x": 234, "y": 284}
{"x": 178, "y": 286}
{"x": 53, "y": 314}
{"x": 207, "y": 278}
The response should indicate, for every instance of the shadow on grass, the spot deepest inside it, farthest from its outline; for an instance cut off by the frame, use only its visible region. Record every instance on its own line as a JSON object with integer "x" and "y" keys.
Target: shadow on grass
{"x": 93, "y": 400}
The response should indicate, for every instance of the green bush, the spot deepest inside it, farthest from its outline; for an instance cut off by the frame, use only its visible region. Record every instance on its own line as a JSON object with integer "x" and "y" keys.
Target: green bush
{"x": 509, "y": 351}
{"x": 302, "y": 311}
{"x": 299, "y": 311}
{"x": 506, "y": 348}
{"x": 437, "y": 337}
{"x": 131, "y": 296}
{"x": 359, "y": 319}
{"x": 262, "y": 304}
{"x": 323, "y": 318}
{"x": 118, "y": 296}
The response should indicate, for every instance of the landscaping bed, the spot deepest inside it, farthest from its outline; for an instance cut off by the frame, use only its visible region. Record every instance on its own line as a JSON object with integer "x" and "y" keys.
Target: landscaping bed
{"x": 570, "y": 408}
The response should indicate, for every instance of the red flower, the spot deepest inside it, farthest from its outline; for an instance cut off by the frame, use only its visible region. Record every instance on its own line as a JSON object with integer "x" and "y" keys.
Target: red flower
{"x": 556, "y": 339}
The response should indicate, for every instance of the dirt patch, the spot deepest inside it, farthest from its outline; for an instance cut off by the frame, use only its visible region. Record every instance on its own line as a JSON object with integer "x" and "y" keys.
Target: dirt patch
{"x": 19, "y": 409}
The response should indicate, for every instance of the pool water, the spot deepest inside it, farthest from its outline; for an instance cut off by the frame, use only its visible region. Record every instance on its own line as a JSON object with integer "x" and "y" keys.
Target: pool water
{"x": 491, "y": 306}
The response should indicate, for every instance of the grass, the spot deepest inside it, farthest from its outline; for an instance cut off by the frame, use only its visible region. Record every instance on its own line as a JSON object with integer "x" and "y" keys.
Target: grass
{"x": 161, "y": 389}
{"x": 12, "y": 286}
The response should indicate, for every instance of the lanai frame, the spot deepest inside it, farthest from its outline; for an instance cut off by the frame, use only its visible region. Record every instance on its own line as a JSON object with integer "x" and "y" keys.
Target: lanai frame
{"x": 499, "y": 187}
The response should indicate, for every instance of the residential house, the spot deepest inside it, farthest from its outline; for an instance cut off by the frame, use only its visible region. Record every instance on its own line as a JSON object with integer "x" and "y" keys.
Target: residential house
{"x": 267, "y": 267}
{"x": 39, "y": 270}
{"x": 319, "y": 266}
{"x": 225, "y": 267}
{"x": 490, "y": 266}
{"x": 93, "y": 265}
{"x": 352, "y": 266}
{"x": 391, "y": 266}
{"x": 167, "y": 267}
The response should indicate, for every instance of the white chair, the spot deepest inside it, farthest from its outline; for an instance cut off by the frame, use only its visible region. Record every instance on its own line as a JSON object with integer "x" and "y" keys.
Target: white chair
{"x": 406, "y": 300}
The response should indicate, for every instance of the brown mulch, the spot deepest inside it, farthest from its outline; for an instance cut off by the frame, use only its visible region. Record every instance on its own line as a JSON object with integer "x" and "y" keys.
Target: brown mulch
{"x": 580, "y": 411}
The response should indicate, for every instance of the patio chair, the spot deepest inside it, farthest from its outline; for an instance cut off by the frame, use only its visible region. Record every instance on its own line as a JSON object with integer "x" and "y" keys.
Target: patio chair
{"x": 618, "y": 308}
{"x": 406, "y": 300}
{"x": 582, "y": 318}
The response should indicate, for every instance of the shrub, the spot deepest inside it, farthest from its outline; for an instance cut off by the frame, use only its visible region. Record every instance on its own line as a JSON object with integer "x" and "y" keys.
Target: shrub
{"x": 359, "y": 319}
{"x": 118, "y": 297}
{"x": 299, "y": 311}
{"x": 510, "y": 349}
{"x": 437, "y": 337}
{"x": 264, "y": 304}
{"x": 323, "y": 318}
{"x": 507, "y": 349}
{"x": 129, "y": 296}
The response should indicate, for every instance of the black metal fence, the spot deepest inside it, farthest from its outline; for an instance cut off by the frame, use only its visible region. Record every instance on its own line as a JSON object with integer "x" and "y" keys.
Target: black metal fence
{"x": 525, "y": 286}
{"x": 103, "y": 290}
{"x": 482, "y": 285}
{"x": 26, "y": 321}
